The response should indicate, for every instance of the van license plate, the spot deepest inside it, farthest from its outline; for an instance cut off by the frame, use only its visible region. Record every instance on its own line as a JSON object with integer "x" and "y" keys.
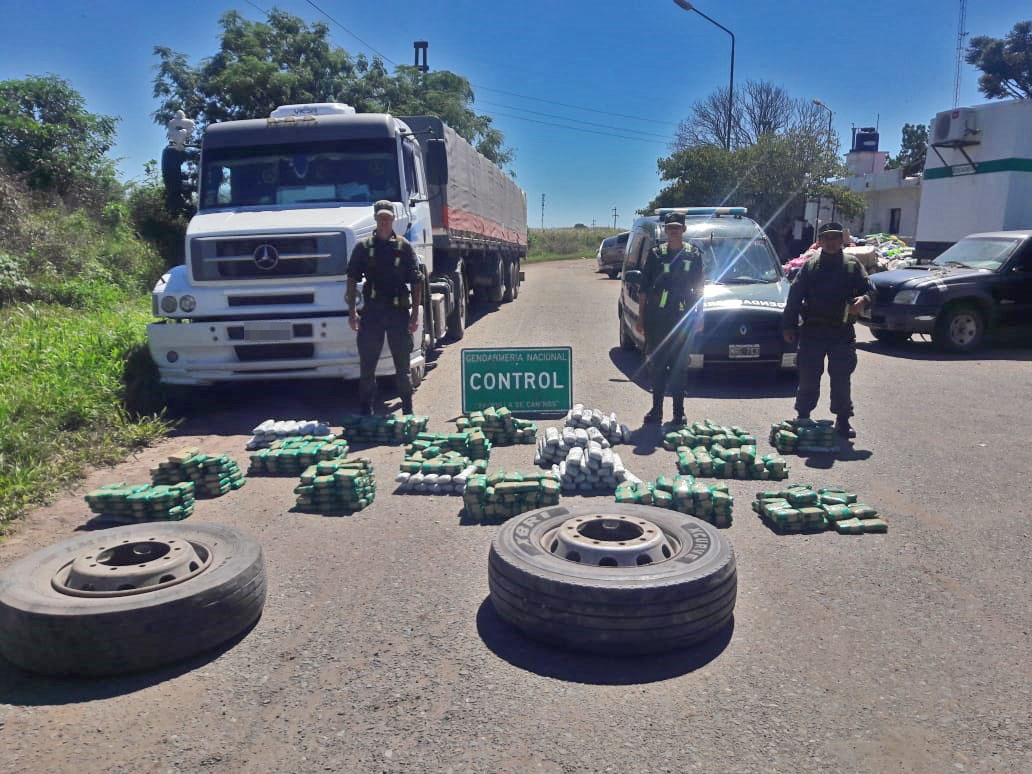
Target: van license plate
{"x": 268, "y": 332}
{"x": 743, "y": 351}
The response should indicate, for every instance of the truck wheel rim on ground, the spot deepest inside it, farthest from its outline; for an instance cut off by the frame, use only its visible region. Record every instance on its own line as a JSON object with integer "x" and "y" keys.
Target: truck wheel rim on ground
{"x": 609, "y": 541}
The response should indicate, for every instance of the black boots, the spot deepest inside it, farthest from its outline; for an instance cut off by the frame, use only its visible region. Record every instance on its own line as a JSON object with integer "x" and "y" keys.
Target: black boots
{"x": 406, "y": 406}
{"x": 678, "y": 411}
{"x": 654, "y": 417}
{"x": 843, "y": 428}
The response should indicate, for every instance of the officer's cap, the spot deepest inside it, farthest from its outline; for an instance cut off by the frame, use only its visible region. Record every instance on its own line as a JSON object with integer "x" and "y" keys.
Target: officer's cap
{"x": 830, "y": 228}
{"x": 674, "y": 217}
{"x": 383, "y": 206}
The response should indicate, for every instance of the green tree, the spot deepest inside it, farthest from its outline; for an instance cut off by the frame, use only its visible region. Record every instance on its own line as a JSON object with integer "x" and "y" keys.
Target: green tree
{"x": 912, "y": 151}
{"x": 1006, "y": 63}
{"x": 50, "y": 139}
{"x": 152, "y": 220}
{"x": 284, "y": 60}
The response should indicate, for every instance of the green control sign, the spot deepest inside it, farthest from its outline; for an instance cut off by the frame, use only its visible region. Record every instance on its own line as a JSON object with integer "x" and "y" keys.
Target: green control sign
{"x": 522, "y": 379}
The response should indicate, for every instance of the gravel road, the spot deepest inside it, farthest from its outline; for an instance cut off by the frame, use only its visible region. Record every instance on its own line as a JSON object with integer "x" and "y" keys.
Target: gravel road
{"x": 378, "y": 649}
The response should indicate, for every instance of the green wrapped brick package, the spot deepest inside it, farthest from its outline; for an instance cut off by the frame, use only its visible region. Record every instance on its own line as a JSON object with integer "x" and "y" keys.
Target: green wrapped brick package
{"x": 502, "y": 495}
{"x": 212, "y": 475}
{"x": 291, "y": 456}
{"x": 131, "y": 504}
{"x": 500, "y": 426}
{"x": 799, "y": 508}
{"x": 683, "y": 494}
{"x": 391, "y": 429}
{"x": 804, "y": 436}
{"x": 706, "y": 433}
{"x": 340, "y": 485}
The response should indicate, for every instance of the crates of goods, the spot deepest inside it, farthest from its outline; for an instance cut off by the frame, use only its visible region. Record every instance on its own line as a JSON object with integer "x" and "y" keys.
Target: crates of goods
{"x": 711, "y": 503}
{"x": 291, "y": 456}
{"x": 131, "y": 504}
{"x": 502, "y": 495}
{"x": 339, "y": 485}
{"x": 804, "y": 436}
{"x": 499, "y": 425}
{"x": 391, "y": 429}
{"x": 213, "y": 475}
{"x": 801, "y": 508}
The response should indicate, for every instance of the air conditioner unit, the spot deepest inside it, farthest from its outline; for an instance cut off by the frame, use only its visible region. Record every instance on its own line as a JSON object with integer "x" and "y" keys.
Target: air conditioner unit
{"x": 955, "y": 127}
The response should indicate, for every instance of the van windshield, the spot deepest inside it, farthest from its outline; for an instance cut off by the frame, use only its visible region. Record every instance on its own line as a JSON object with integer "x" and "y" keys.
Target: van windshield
{"x": 736, "y": 260}
{"x": 347, "y": 171}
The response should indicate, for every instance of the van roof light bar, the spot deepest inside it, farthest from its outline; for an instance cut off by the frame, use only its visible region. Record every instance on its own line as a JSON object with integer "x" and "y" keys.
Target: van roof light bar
{"x": 703, "y": 210}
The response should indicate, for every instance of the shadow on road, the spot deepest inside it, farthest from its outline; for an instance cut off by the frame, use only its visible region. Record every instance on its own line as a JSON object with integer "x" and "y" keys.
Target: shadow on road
{"x": 824, "y": 461}
{"x": 1013, "y": 344}
{"x": 24, "y": 689}
{"x": 509, "y": 644}
{"x": 736, "y": 382}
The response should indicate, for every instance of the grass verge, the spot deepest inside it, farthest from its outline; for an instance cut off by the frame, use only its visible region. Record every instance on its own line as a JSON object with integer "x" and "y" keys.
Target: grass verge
{"x": 76, "y": 389}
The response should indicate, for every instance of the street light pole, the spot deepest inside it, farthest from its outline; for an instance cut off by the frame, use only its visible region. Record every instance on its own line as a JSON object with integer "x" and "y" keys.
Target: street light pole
{"x": 817, "y": 217}
{"x": 731, "y": 88}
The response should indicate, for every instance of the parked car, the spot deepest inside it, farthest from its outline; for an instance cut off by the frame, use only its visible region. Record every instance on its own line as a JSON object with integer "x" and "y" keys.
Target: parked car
{"x": 982, "y": 282}
{"x": 745, "y": 291}
{"x": 610, "y": 255}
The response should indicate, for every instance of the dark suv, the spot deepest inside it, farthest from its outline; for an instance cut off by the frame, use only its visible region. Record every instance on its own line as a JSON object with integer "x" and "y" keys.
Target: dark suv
{"x": 981, "y": 282}
{"x": 745, "y": 288}
{"x": 610, "y": 254}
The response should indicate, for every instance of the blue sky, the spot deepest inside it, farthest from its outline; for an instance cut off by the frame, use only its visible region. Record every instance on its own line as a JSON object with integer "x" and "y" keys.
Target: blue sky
{"x": 881, "y": 61}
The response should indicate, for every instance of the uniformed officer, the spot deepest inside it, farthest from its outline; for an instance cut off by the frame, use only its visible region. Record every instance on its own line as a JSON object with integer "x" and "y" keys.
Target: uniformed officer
{"x": 671, "y": 287}
{"x": 829, "y": 292}
{"x": 392, "y": 295}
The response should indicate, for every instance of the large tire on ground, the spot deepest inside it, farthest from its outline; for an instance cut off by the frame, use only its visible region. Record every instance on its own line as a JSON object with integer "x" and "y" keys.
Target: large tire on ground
{"x": 509, "y": 271}
{"x": 959, "y": 328}
{"x": 496, "y": 291}
{"x": 891, "y": 338}
{"x": 457, "y": 318}
{"x": 612, "y": 274}
{"x": 104, "y": 632}
{"x": 643, "y": 608}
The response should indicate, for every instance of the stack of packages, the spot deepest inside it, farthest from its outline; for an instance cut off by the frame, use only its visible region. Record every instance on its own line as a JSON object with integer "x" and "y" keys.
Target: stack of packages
{"x": 555, "y": 444}
{"x": 291, "y": 456}
{"x": 707, "y": 433}
{"x": 740, "y": 462}
{"x": 500, "y": 426}
{"x": 441, "y": 463}
{"x": 592, "y": 469}
{"x": 391, "y": 429}
{"x": 124, "y": 504}
{"x": 502, "y": 495}
{"x": 681, "y": 493}
{"x": 801, "y": 508}
{"x": 804, "y": 436}
{"x": 607, "y": 424}
{"x": 272, "y": 430}
{"x": 212, "y": 476}
{"x": 343, "y": 484}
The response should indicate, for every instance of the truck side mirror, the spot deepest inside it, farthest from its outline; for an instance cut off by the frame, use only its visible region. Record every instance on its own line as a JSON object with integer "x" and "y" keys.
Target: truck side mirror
{"x": 632, "y": 277}
{"x": 436, "y": 162}
{"x": 172, "y": 176}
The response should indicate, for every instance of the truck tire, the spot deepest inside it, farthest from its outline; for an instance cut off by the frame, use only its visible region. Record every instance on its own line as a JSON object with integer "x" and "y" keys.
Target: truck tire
{"x": 497, "y": 289}
{"x": 686, "y": 596}
{"x": 429, "y": 340}
{"x": 960, "y": 328}
{"x": 457, "y": 318}
{"x": 93, "y": 633}
{"x": 511, "y": 276}
{"x": 516, "y": 279}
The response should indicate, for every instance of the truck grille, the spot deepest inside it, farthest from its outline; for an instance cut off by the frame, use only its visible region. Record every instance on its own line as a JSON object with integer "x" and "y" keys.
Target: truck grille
{"x": 283, "y": 298}
{"x": 275, "y": 256}
{"x": 255, "y": 352}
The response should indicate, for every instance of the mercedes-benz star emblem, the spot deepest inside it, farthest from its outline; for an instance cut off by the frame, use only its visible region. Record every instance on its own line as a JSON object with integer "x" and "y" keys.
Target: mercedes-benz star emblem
{"x": 743, "y": 330}
{"x": 266, "y": 257}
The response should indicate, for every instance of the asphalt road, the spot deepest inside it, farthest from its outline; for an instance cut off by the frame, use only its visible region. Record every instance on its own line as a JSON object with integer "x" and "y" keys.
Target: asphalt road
{"x": 378, "y": 649}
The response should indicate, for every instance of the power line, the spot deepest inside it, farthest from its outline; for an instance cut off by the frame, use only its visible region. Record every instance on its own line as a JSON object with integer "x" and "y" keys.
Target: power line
{"x": 575, "y": 107}
{"x": 568, "y": 118}
{"x": 578, "y": 129}
{"x": 352, "y": 34}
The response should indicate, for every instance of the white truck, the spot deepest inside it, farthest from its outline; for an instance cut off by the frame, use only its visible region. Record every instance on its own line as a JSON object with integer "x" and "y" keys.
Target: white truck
{"x": 977, "y": 175}
{"x": 281, "y": 203}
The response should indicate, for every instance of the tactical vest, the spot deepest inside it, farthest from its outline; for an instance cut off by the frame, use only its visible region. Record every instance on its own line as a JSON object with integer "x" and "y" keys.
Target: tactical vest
{"x": 850, "y": 265}
{"x": 401, "y": 300}
{"x": 670, "y": 281}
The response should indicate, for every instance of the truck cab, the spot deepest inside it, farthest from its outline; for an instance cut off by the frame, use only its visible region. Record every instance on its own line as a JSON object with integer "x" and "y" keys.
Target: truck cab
{"x": 281, "y": 203}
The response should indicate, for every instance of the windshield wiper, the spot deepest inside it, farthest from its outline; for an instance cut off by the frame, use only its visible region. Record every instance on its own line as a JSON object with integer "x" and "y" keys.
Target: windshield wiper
{"x": 747, "y": 281}
{"x": 956, "y": 263}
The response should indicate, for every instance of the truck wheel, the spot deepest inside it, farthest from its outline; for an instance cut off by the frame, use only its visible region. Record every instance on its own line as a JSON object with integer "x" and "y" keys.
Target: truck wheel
{"x": 891, "y": 338}
{"x": 497, "y": 290}
{"x": 515, "y": 279}
{"x": 614, "y": 580}
{"x": 509, "y": 269}
{"x": 429, "y": 341}
{"x": 457, "y": 318}
{"x": 959, "y": 329}
{"x": 129, "y": 598}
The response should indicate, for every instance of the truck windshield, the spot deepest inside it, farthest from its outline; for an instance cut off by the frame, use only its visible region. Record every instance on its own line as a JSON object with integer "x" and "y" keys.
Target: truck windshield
{"x": 983, "y": 253}
{"x": 736, "y": 260}
{"x": 346, "y": 171}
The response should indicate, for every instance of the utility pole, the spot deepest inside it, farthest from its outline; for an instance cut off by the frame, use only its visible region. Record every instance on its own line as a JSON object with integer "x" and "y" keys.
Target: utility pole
{"x": 542, "y": 212}
{"x": 614, "y": 217}
{"x": 420, "y": 46}
{"x": 961, "y": 34}
{"x": 593, "y": 223}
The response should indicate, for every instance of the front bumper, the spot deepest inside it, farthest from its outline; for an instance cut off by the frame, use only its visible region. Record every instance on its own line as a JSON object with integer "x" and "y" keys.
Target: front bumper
{"x": 904, "y": 318}
{"x": 200, "y": 353}
{"x": 604, "y": 265}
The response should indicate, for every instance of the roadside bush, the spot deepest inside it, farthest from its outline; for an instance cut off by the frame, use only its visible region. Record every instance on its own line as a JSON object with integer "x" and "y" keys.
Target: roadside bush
{"x": 565, "y": 242}
{"x": 153, "y": 222}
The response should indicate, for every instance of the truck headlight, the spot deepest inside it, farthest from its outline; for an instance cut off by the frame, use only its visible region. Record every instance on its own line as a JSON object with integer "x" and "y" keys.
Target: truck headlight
{"x": 168, "y": 304}
{"x": 906, "y": 297}
{"x": 188, "y": 304}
